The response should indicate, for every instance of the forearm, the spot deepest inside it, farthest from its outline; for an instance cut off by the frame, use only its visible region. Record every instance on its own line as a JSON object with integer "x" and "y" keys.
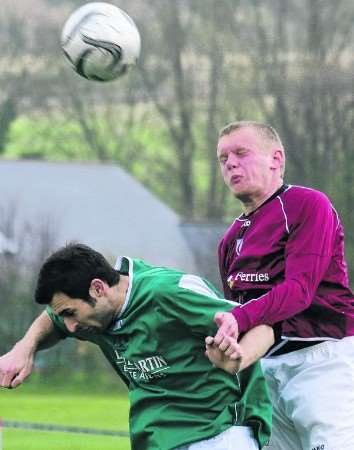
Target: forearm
{"x": 17, "y": 364}
{"x": 233, "y": 356}
{"x": 40, "y": 335}
{"x": 255, "y": 344}
{"x": 283, "y": 301}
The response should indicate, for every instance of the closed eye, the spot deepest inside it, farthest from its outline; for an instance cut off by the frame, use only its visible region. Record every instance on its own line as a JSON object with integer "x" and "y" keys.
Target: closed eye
{"x": 67, "y": 313}
{"x": 241, "y": 151}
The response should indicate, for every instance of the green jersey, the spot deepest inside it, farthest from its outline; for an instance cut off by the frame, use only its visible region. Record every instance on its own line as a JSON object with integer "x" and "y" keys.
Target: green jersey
{"x": 157, "y": 347}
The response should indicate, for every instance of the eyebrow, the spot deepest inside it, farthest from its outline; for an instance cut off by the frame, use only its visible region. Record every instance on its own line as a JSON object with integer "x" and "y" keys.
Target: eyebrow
{"x": 233, "y": 150}
{"x": 241, "y": 148}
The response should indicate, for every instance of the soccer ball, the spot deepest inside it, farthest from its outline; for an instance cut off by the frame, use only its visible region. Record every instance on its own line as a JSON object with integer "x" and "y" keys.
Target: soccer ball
{"x": 101, "y": 41}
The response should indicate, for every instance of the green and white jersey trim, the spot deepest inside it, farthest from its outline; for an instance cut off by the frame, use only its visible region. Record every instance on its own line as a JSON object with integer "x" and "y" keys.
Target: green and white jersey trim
{"x": 118, "y": 266}
{"x": 199, "y": 286}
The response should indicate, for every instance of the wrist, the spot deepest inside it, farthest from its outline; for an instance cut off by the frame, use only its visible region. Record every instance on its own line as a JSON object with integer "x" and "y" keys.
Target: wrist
{"x": 233, "y": 367}
{"x": 26, "y": 345}
{"x": 242, "y": 319}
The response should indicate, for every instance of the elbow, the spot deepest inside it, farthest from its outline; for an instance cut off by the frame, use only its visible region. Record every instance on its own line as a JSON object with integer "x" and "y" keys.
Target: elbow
{"x": 305, "y": 297}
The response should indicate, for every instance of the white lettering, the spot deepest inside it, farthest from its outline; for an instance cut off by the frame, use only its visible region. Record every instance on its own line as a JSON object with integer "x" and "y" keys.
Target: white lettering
{"x": 150, "y": 362}
{"x": 142, "y": 364}
{"x": 144, "y": 369}
{"x": 161, "y": 361}
{"x": 248, "y": 277}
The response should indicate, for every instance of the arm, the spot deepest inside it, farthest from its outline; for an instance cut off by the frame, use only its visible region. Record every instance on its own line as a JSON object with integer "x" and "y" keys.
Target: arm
{"x": 17, "y": 364}
{"x": 232, "y": 356}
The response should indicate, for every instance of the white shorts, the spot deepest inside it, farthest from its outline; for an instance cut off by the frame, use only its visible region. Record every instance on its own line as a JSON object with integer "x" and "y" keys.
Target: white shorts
{"x": 234, "y": 438}
{"x": 312, "y": 392}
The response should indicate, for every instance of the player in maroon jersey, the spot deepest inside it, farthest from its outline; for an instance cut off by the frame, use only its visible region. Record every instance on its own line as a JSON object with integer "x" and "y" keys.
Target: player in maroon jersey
{"x": 283, "y": 260}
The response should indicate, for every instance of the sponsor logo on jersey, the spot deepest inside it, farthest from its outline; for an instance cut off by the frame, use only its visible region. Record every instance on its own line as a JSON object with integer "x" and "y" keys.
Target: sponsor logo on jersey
{"x": 247, "y": 277}
{"x": 239, "y": 243}
{"x": 239, "y": 240}
{"x": 246, "y": 224}
{"x": 144, "y": 369}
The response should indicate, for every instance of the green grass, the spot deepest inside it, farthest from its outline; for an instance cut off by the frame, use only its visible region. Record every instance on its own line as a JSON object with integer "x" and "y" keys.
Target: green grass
{"x": 81, "y": 410}
{"x": 34, "y": 440}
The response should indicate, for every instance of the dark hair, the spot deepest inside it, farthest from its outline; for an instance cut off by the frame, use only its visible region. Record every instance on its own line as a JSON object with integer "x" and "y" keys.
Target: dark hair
{"x": 70, "y": 271}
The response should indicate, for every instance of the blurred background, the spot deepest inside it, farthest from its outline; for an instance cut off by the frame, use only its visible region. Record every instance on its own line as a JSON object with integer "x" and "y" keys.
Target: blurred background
{"x": 129, "y": 166}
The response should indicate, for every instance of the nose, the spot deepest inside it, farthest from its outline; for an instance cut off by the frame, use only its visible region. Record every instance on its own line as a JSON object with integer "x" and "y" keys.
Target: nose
{"x": 232, "y": 161}
{"x": 71, "y": 324}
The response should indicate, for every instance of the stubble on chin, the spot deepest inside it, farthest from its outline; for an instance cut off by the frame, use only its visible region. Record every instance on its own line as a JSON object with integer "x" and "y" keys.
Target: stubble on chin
{"x": 243, "y": 197}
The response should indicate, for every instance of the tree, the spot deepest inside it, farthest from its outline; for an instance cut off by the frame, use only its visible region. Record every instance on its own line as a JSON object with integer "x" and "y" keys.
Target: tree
{"x": 29, "y": 37}
{"x": 183, "y": 74}
{"x": 19, "y": 268}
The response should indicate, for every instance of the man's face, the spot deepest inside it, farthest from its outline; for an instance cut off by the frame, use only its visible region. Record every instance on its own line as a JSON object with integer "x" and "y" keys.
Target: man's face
{"x": 246, "y": 164}
{"x": 79, "y": 315}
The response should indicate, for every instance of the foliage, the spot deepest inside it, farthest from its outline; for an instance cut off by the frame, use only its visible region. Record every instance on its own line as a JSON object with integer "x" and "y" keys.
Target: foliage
{"x": 203, "y": 64}
{"x": 41, "y": 137}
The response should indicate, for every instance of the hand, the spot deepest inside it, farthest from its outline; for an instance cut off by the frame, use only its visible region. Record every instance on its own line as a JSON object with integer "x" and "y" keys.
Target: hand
{"x": 228, "y": 326}
{"x": 230, "y": 359}
{"x": 15, "y": 366}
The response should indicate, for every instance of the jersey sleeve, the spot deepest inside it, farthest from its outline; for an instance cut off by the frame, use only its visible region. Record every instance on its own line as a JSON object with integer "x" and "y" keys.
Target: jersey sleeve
{"x": 192, "y": 301}
{"x": 308, "y": 253}
{"x": 58, "y": 323}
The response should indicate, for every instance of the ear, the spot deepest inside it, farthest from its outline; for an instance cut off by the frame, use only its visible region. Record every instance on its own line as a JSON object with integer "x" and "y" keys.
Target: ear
{"x": 97, "y": 288}
{"x": 278, "y": 158}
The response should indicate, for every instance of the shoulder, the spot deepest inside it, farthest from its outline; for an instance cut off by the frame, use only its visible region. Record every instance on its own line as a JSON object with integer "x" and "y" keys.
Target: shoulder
{"x": 302, "y": 203}
{"x": 299, "y": 198}
{"x": 158, "y": 280}
{"x": 305, "y": 194}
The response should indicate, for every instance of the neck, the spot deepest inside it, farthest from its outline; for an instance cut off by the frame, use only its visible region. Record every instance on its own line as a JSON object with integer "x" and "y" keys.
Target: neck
{"x": 120, "y": 294}
{"x": 252, "y": 202}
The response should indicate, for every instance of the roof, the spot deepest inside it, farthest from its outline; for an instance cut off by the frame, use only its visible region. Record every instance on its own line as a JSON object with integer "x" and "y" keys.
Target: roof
{"x": 203, "y": 238}
{"x": 99, "y": 205}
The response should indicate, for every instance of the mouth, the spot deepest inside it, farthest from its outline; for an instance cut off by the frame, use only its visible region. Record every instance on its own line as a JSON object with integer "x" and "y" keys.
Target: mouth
{"x": 84, "y": 328}
{"x": 235, "y": 179}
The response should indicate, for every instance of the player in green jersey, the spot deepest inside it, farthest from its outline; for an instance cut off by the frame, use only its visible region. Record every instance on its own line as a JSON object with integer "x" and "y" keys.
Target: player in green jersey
{"x": 151, "y": 323}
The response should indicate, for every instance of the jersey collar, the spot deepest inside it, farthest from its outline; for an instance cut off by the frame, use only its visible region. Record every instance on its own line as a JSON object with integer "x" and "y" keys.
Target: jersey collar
{"x": 125, "y": 266}
{"x": 282, "y": 189}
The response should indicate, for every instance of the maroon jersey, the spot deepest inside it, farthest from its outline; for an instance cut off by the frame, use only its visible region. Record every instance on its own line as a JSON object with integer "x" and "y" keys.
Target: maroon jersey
{"x": 285, "y": 264}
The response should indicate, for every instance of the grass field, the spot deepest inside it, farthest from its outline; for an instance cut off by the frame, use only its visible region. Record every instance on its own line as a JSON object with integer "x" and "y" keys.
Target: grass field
{"x": 81, "y": 410}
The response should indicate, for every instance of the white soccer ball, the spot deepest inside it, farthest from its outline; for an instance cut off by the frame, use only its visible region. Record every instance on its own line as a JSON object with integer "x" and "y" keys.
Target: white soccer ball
{"x": 101, "y": 41}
